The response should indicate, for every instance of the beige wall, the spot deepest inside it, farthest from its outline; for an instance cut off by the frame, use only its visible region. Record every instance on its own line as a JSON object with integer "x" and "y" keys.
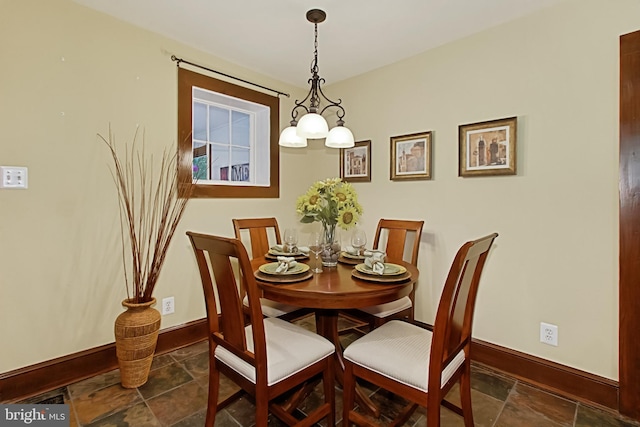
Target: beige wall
{"x": 67, "y": 73}
{"x": 555, "y": 259}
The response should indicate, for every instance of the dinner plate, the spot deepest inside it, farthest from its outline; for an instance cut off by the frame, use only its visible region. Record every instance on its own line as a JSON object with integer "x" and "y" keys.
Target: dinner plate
{"x": 389, "y": 269}
{"x": 272, "y": 266}
{"x": 299, "y": 257}
{"x": 391, "y": 279}
{"x": 275, "y": 252}
{"x": 283, "y": 278}
{"x": 349, "y": 261}
{"x": 351, "y": 256}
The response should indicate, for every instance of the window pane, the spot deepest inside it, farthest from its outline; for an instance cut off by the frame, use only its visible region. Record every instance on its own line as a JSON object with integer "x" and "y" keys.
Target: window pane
{"x": 199, "y": 121}
{"x": 200, "y": 168}
{"x": 240, "y": 130}
{"x": 219, "y": 163}
{"x": 200, "y": 160}
{"x": 241, "y": 164}
{"x": 218, "y": 125}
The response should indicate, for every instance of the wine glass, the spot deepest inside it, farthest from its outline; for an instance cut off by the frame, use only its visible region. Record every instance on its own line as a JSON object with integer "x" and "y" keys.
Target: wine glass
{"x": 316, "y": 246}
{"x": 359, "y": 240}
{"x": 290, "y": 240}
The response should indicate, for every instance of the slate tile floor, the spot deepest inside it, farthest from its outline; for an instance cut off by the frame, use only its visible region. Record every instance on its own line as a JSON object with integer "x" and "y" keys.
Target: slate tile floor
{"x": 176, "y": 395}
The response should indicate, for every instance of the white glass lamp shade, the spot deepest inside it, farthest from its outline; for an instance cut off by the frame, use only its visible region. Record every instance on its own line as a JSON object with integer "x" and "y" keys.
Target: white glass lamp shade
{"x": 312, "y": 126}
{"x": 340, "y": 137}
{"x": 289, "y": 138}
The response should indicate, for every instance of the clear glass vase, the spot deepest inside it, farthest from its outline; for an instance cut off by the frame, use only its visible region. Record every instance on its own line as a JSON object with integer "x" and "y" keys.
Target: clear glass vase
{"x": 331, "y": 250}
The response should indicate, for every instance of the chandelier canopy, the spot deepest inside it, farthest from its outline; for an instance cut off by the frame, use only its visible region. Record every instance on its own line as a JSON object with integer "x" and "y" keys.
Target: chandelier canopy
{"x": 312, "y": 125}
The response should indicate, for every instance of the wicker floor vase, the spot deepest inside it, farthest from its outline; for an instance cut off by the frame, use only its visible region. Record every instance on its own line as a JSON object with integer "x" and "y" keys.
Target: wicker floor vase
{"x": 136, "y": 332}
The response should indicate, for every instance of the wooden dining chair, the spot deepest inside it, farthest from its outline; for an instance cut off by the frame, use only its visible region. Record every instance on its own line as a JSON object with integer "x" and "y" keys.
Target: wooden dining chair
{"x": 262, "y": 234}
{"x": 266, "y": 358}
{"x": 419, "y": 365}
{"x": 400, "y": 239}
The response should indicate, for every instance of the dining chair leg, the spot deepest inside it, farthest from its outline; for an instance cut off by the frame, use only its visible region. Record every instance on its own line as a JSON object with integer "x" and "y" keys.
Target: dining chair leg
{"x": 212, "y": 403}
{"x": 262, "y": 410}
{"x": 465, "y": 395}
{"x": 330, "y": 392}
{"x": 412, "y": 310}
{"x": 348, "y": 393}
{"x": 433, "y": 415}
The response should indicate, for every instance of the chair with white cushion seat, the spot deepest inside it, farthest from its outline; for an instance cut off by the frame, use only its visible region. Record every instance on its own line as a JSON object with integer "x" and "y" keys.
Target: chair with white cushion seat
{"x": 401, "y": 241}
{"x": 419, "y": 365}
{"x": 262, "y": 234}
{"x": 266, "y": 358}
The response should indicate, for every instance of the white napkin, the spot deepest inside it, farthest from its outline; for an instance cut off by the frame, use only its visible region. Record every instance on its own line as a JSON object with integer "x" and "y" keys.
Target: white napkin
{"x": 374, "y": 253}
{"x": 375, "y": 261}
{"x": 351, "y": 250}
{"x": 285, "y": 263}
{"x": 296, "y": 249}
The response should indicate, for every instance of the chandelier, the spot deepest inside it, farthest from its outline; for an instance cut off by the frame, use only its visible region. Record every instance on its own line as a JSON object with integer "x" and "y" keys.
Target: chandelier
{"x": 312, "y": 125}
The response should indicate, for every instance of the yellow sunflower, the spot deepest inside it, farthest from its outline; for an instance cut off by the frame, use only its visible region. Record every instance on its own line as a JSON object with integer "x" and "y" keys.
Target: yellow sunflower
{"x": 345, "y": 195}
{"x": 300, "y": 201}
{"x": 347, "y": 217}
{"x": 312, "y": 200}
{"x": 332, "y": 182}
{"x": 340, "y": 197}
{"x": 317, "y": 186}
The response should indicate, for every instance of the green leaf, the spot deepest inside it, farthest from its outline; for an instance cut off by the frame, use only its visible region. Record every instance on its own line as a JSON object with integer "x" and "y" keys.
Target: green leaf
{"x": 307, "y": 219}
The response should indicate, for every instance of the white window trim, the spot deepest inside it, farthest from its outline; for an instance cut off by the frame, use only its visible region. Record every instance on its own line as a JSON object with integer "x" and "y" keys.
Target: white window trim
{"x": 259, "y": 136}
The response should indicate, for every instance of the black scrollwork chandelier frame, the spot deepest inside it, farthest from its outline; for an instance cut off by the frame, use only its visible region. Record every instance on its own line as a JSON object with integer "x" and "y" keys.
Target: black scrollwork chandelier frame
{"x": 307, "y": 121}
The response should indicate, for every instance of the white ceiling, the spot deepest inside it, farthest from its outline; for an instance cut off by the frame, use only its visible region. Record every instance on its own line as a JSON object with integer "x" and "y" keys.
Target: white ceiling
{"x": 274, "y": 38}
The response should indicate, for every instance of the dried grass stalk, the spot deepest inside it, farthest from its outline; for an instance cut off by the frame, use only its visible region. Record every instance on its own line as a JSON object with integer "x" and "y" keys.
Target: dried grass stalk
{"x": 150, "y": 209}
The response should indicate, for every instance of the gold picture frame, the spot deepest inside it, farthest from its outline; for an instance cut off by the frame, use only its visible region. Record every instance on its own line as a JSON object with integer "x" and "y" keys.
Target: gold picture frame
{"x": 488, "y": 148}
{"x": 355, "y": 162}
{"x": 411, "y": 156}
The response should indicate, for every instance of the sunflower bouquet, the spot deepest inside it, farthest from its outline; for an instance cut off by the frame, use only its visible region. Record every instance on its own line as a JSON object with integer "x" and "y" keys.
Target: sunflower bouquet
{"x": 332, "y": 202}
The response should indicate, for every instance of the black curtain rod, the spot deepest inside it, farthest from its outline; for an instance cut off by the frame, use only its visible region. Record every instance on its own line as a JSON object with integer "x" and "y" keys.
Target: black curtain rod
{"x": 179, "y": 60}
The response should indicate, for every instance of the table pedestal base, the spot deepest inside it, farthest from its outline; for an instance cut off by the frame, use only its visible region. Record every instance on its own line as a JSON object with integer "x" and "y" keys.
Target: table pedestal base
{"x": 327, "y": 326}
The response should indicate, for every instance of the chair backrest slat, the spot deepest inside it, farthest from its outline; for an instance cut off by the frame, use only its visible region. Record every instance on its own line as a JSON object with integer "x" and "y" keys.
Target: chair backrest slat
{"x": 454, "y": 318}
{"x": 259, "y": 231}
{"x": 230, "y": 303}
{"x": 397, "y": 232}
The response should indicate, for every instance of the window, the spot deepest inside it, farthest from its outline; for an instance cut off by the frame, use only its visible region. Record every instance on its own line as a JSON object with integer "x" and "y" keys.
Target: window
{"x": 229, "y": 134}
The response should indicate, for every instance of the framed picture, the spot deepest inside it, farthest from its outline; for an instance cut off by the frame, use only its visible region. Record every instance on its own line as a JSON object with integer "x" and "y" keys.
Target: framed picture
{"x": 411, "y": 156}
{"x": 355, "y": 162}
{"x": 488, "y": 148}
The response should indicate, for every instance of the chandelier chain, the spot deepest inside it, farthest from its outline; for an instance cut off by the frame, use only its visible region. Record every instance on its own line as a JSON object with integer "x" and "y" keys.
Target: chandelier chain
{"x": 315, "y": 69}
{"x": 315, "y": 99}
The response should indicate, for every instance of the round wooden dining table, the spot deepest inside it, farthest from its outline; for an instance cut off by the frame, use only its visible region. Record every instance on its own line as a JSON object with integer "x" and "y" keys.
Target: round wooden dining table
{"x": 334, "y": 289}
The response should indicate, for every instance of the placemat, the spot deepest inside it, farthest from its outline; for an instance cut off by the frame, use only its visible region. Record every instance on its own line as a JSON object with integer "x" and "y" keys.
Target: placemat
{"x": 382, "y": 279}
{"x": 272, "y": 278}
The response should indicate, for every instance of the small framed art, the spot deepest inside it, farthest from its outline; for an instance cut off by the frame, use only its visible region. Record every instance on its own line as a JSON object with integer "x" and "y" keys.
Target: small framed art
{"x": 355, "y": 162}
{"x": 411, "y": 156}
{"x": 488, "y": 148}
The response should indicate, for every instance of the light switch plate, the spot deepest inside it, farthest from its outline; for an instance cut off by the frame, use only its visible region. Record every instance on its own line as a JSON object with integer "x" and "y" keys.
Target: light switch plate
{"x": 13, "y": 177}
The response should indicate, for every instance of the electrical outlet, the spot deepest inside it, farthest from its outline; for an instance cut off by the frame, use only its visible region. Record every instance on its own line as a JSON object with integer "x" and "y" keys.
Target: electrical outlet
{"x": 168, "y": 305}
{"x": 549, "y": 334}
